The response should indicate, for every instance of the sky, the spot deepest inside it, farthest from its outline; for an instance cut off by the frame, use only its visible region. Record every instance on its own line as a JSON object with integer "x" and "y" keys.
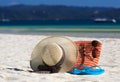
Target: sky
{"x": 91, "y": 3}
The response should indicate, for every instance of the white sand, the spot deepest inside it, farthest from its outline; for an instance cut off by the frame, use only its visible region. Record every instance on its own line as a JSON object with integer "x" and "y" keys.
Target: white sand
{"x": 15, "y": 52}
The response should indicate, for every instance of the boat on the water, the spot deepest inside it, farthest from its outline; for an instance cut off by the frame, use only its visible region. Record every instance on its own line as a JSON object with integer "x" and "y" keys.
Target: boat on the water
{"x": 5, "y": 20}
{"x": 104, "y": 20}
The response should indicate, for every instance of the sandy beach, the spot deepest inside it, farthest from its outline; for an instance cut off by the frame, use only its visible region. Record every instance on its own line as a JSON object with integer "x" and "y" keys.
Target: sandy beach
{"x": 16, "y": 49}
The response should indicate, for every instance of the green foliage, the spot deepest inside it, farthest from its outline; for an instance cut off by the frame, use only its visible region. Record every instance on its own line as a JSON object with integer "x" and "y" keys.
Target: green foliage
{"x": 47, "y": 12}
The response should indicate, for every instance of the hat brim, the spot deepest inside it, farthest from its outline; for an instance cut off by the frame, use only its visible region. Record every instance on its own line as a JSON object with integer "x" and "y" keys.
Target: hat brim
{"x": 69, "y": 47}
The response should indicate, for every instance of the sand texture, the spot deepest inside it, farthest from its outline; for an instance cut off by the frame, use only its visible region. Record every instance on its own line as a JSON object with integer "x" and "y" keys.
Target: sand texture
{"x": 15, "y": 52}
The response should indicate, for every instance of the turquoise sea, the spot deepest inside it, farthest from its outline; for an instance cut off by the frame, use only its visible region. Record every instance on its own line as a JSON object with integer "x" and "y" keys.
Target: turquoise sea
{"x": 61, "y": 26}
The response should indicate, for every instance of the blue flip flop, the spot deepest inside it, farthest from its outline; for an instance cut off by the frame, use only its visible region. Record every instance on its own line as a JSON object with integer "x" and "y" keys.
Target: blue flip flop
{"x": 77, "y": 71}
{"x": 95, "y": 70}
{"x": 87, "y": 70}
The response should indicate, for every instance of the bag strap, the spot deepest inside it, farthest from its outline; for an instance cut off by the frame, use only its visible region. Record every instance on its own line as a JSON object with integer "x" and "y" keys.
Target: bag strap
{"x": 82, "y": 52}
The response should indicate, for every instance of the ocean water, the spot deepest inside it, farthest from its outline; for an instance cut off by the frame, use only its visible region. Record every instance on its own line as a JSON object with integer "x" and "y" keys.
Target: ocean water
{"x": 59, "y": 26}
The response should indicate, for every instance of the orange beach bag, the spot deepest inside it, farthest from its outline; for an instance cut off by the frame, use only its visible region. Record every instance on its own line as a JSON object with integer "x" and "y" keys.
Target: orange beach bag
{"x": 88, "y": 53}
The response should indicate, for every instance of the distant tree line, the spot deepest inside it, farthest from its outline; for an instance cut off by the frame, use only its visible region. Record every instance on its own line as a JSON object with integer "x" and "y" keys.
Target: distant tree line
{"x": 58, "y": 12}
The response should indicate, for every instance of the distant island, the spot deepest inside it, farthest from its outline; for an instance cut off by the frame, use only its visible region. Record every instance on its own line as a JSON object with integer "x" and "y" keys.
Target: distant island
{"x": 56, "y": 12}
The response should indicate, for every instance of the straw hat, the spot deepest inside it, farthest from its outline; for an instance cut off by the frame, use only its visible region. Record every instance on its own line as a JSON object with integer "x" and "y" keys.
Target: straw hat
{"x": 52, "y": 51}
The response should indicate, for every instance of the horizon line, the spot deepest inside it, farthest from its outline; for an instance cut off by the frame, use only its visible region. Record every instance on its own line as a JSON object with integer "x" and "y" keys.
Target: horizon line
{"x": 57, "y": 5}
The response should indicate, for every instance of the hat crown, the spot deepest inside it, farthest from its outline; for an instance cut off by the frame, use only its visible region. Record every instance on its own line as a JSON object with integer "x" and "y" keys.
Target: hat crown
{"x": 52, "y": 54}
